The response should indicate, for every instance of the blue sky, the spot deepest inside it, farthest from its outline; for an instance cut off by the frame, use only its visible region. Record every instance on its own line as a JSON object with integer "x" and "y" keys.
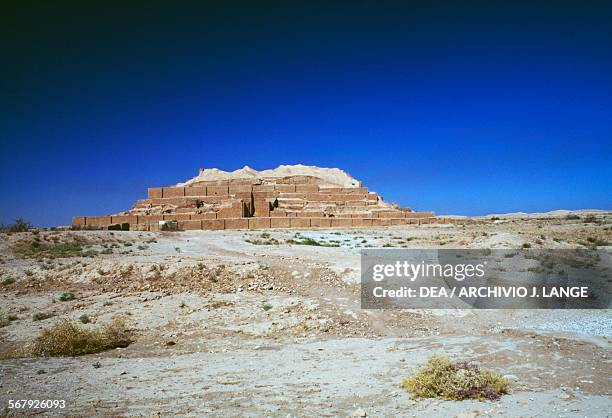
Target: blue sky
{"x": 457, "y": 107}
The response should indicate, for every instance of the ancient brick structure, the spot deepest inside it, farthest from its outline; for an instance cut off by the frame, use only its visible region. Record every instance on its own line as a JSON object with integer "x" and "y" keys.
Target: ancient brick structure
{"x": 257, "y": 201}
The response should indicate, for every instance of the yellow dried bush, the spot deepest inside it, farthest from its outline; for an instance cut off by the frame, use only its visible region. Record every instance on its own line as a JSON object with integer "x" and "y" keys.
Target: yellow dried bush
{"x": 67, "y": 339}
{"x": 441, "y": 378}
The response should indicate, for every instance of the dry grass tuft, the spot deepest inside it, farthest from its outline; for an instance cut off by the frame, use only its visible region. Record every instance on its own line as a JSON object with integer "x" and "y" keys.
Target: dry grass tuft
{"x": 441, "y": 378}
{"x": 67, "y": 339}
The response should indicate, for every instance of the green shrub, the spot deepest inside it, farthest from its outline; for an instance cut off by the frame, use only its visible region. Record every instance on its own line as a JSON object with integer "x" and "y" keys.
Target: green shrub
{"x": 41, "y": 316}
{"x": 66, "y": 296}
{"x": 526, "y": 245}
{"x": 84, "y": 319}
{"x": 8, "y": 280}
{"x": 440, "y": 378}
{"x": 266, "y": 306}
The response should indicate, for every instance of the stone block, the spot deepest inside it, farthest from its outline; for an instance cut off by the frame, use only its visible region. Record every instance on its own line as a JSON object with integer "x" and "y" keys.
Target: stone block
{"x": 177, "y": 217}
{"x": 320, "y": 222}
{"x": 317, "y": 197}
{"x": 244, "y": 188}
{"x": 263, "y": 188}
{"x": 354, "y": 190}
{"x": 147, "y": 219}
{"x": 155, "y": 192}
{"x": 79, "y": 220}
{"x": 120, "y": 219}
{"x": 232, "y": 212}
{"x": 256, "y": 223}
{"x": 205, "y": 215}
{"x": 310, "y": 214}
{"x": 341, "y": 223}
{"x": 361, "y": 222}
{"x": 98, "y": 220}
{"x": 306, "y": 188}
{"x": 195, "y": 191}
{"x": 260, "y": 195}
{"x": 289, "y": 196}
{"x": 346, "y": 197}
{"x": 280, "y": 222}
{"x": 217, "y": 190}
{"x": 173, "y": 192}
{"x": 299, "y": 222}
{"x": 357, "y": 203}
{"x": 236, "y": 223}
{"x": 387, "y": 214}
{"x": 190, "y": 225}
{"x": 330, "y": 190}
{"x": 285, "y": 188}
{"x": 216, "y": 224}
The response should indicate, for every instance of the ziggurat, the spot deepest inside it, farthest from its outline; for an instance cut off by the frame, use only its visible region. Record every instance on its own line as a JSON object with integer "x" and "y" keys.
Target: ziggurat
{"x": 286, "y": 197}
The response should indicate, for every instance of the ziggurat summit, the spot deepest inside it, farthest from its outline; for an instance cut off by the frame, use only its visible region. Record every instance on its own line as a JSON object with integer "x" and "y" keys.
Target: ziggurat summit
{"x": 293, "y": 196}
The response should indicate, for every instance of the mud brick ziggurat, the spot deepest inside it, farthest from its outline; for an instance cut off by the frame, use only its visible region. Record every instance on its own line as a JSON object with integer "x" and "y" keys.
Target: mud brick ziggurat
{"x": 286, "y": 197}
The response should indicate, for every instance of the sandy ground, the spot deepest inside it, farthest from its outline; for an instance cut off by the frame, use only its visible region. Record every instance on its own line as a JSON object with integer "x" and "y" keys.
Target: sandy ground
{"x": 224, "y": 327}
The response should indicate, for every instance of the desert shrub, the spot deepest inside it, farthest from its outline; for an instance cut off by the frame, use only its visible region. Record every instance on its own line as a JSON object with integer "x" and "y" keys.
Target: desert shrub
{"x": 312, "y": 241}
{"x": 572, "y": 216}
{"x": 441, "y": 378}
{"x": 597, "y": 242}
{"x": 266, "y": 306}
{"x": 271, "y": 241}
{"x": 4, "y": 321}
{"x": 67, "y": 339}
{"x": 20, "y": 225}
{"x": 8, "y": 280}
{"x": 84, "y": 319}
{"x": 41, "y": 316}
{"x": 526, "y": 245}
{"x": 37, "y": 249}
{"x": 66, "y": 296}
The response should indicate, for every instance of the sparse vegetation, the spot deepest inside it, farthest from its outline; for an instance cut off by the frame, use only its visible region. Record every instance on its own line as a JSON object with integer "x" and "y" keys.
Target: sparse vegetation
{"x": 266, "y": 306}
{"x": 312, "y": 241}
{"x": 271, "y": 241}
{"x": 7, "y": 281}
{"x": 84, "y": 319}
{"x": 67, "y": 339}
{"x": 41, "y": 316}
{"x": 66, "y": 296}
{"x": 20, "y": 225}
{"x": 441, "y": 378}
{"x": 597, "y": 242}
{"x": 526, "y": 245}
{"x": 38, "y": 249}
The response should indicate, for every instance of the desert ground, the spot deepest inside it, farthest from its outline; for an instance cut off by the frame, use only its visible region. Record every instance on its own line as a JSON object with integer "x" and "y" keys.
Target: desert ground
{"x": 243, "y": 323}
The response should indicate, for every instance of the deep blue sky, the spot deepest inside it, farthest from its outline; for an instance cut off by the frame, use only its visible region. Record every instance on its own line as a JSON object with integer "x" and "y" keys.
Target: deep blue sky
{"x": 459, "y": 107}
